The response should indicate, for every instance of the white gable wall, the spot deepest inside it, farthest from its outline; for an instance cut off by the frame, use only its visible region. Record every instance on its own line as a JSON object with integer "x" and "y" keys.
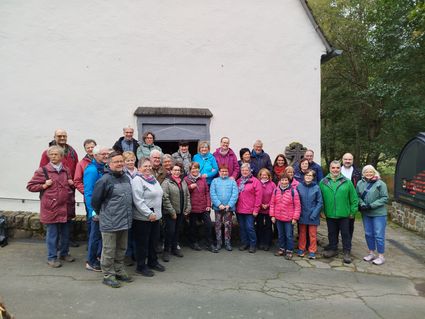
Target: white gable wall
{"x": 86, "y": 66}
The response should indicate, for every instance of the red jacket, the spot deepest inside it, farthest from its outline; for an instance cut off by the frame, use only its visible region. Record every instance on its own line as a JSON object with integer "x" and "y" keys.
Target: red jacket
{"x": 199, "y": 196}
{"x": 57, "y": 201}
{"x": 70, "y": 160}
{"x": 249, "y": 200}
{"x": 79, "y": 173}
{"x": 285, "y": 205}
{"x": 268, "y": 189}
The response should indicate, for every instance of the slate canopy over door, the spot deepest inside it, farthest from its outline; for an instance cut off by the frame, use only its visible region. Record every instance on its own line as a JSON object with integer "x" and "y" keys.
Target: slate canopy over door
{"x": 171, "y": 125}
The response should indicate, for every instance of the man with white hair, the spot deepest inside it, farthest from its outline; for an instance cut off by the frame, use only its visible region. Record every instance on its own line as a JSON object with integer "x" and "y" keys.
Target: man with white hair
{"x": 92, "y": 174}
{"x": 259, "y": 159}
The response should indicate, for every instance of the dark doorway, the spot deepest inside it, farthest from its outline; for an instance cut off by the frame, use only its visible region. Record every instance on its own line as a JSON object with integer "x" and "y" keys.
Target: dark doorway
{"x": 170, "y": 147}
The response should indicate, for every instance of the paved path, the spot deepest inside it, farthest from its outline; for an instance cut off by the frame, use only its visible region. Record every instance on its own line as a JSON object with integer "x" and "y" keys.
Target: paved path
{"x": 224, "y": 285}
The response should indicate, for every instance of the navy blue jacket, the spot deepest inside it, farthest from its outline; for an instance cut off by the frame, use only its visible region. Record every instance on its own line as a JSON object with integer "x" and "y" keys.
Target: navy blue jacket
{"x": 311, "y": 203}
{"x": 259, "y": 161}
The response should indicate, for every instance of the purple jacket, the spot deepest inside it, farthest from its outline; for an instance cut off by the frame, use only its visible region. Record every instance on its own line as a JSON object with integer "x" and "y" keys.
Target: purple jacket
{"x": 230, "y": 160}
{"x": 249, "y": 200}
{"x": 199, "y": 196}
{"x": 268, "y": 189}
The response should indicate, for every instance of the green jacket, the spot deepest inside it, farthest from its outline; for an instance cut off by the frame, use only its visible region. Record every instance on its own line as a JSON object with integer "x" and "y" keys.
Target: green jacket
{"x": 175, "y": 200}
{"x": 376, "y": 197}
{"x": 339, "y": 197}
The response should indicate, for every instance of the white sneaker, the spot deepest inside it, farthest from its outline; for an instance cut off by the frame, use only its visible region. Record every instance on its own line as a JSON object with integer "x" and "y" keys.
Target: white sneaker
{"x": 379, "y": 261}
{"x": 369, "y": 257}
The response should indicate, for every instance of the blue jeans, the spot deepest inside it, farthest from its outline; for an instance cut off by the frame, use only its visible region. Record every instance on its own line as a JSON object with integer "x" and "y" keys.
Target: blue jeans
{"x": 55, "y": 232}
{"x": 374, "y": 230}
{"x": 285, "y": 232}
{"x": 95, "y": 243}
{"x": 247, "y": 230}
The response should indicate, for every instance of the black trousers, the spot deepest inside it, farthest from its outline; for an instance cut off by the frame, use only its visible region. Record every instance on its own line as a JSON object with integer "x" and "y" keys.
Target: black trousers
{"x": 335, "y": 226}
{"x": 146, "y": 236}
{"x": 264, "y": 230}
{"x": 194, "y": 229}
{"x": 172, "y": 231}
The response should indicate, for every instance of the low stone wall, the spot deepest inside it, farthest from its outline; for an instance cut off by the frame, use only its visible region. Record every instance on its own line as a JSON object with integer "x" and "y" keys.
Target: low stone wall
{"x": 27, "y": 225}
{"x": 409, "y": 217}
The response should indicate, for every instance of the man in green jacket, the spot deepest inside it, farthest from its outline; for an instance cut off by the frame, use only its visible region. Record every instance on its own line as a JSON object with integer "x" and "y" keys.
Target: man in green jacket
{"x": 340, "y": 202}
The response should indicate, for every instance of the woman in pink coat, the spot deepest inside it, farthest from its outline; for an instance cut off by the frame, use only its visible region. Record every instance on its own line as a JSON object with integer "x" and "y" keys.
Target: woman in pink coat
{"x": 54, "y": 183}
{"x": 248, "y": 206}
{"x": 285, "y": 209}
{"x": 264, "y": 222}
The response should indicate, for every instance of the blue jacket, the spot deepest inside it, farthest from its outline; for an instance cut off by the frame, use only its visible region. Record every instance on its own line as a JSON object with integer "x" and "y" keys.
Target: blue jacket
{"x": 259, "y": 161}
{"x": 311, "y": 203}
{"x": 207, "y": 165}
{"x": 92, "y": 173}
{"x": 224, "y": 191}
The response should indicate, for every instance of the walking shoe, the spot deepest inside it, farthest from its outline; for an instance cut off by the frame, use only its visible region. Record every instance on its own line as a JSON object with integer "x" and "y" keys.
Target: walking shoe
{"x": 369, "y": 257}
{"x": 301, "y": 253}
{"x": 311, "y": 256}
{"x": 378, "y": 261}
{"x": 195, "y": 246}
{"x": 347, "y": 258}
{"x": 288, "y": 255}
{"x": 166, "y": 256}
{"x": 158, "y": 267}
{"x": 95, "y": 268}
{"x": 177, "y": 252}
{"x": 243, "y": 247}
{"x": 111, "y": 281}
{"x": 54, "y": 263}
{"x": 330, "y": 253}
{"x": 124, "y": 277}
{"x": 67, "y": 258}
{"x": 212, "y": 249}
{"x": 280, "y": 252}
{"x": 252, "y": 249}
{"x": 228, "y": 246}
{"x": 145, "y": 272}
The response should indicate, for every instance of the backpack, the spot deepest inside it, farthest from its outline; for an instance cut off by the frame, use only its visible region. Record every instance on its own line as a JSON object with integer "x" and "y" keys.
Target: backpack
{"x": 46, "y": 175}
{"x": 3, "y": 233}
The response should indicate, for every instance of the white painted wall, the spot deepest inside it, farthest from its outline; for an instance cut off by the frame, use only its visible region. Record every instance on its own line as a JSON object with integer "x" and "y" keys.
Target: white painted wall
{"x": 86, "y": 66}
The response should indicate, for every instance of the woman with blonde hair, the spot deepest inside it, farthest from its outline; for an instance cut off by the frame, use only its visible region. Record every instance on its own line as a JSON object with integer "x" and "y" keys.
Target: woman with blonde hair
{"x": 373, "y": 197}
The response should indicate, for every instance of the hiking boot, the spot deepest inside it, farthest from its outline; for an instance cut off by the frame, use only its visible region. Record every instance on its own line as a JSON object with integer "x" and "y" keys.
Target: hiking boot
{"x": 67, "y": 258}
{"x": 145, "y": 272}
{"x": 369, "y": 257}
{"x": 124, "y": 277}
{"x": 177, "y": 252}
{"x": 288, "y": 255}
{"x": 158, "y": 267}
{"x": 196, "y": 247}
{"x": 166, "y": 256}
{"x": 330, "y": 253}
{"x": 111, "y": 281}
{"x": 243, "y": 247}
{"x": 95, "y": 268}
{"x": 379, "y": 261}
{"x": 252, "y": 249}
{"x": 54, "y": 263}
{"x": 280, "y": 252}
{"x": 301, "y": 253}
{"x": 347, "y": 258}
{"x": 228, "y": 246}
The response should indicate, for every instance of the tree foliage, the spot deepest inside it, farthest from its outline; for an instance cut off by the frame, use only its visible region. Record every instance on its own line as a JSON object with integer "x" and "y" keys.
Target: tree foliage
{"x": 373, "y": 94}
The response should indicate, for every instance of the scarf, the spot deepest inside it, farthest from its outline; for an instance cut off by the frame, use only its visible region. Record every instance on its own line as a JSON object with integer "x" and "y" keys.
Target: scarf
{"x": 192, "y": 178}
{"x": 282, "y": 189}
{"x": 224, "y": 153}
{"x": 264, "y": 181}
{"x": 149, "y": 179}
{"x": 243, "y": 180}
{"x": 178, "y": 180}
{"x": 279, "y": 170}
{"x": 58, "y": 167}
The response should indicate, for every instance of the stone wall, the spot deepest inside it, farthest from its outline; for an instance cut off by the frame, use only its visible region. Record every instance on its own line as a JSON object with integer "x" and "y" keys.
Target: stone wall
{"x": 409, "y": 217}
{"x": 27, "y": 225}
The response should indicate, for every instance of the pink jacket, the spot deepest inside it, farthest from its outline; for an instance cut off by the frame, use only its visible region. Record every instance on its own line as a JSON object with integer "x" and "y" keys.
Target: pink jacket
{"x": 268, "y": 189}
{"x": 230, "y": 160}
{"x": 57, "y": 201}
{"x": 285, "y": 205}
{"x": 79, "y": 172}
{"x": 249, "y": 200}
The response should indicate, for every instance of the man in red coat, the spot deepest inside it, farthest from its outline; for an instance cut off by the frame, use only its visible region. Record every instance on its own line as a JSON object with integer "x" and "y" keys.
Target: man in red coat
{"x": 69, "y": 160}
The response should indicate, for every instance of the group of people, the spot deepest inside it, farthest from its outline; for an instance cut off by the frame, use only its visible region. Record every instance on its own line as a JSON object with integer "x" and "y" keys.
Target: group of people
{"x": 137, "y": 199}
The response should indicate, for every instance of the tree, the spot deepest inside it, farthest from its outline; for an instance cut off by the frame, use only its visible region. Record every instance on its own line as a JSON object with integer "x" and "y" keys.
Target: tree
{"x": 372, "y": 95}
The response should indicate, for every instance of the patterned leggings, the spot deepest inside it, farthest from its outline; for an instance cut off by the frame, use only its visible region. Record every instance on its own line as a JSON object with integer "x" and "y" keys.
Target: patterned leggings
{"x": 220, "y": 217}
